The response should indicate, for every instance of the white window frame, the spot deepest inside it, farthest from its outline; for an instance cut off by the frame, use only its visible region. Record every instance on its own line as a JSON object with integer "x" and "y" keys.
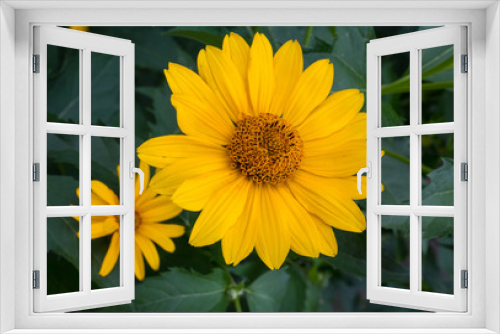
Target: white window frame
{"x": 414, "y": 44}
{"x": 483, "y": 20}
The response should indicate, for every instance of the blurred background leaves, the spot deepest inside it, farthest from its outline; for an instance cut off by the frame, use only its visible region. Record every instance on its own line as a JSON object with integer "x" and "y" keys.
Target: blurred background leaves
{"x": 197, "y": 279}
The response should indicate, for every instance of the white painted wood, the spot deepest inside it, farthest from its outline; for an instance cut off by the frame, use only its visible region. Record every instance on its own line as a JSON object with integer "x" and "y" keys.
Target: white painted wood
{"x": 93, "y": 130}
{"x": 414, "y": 297}
{"x": 418, "y": 129}
{"x": 86, "y": 43}
{"x": 187, "y": 13}
{"x": 247, "y": 4}
{"x": 7, "y": 167}
{"x": 491, "y": 162}
{"x": 407, "y": 210}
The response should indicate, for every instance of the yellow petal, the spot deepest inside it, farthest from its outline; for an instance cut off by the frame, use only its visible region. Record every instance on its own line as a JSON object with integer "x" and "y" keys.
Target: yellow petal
{"x": 208, "y": 77}
{"x": 327, "y": 243}
{"x": 311, "y": 89}
{"x": 224, "y": 79}
{"x": 170, "y": 230}
{"x": 147, "y": 175}
{"x": 194, "y": 193}
{"x": 239, "y": 240}
{"x": 105, "y": 226}
{"x": 158, "y": 209}
{"x": 303, "y": 232}
{"x": 340, "y": 161}
{"x": 102, "y": 195}
{"x": 147, "y": 195}
{"x": 111, "y": 255}
{"x": 349, "y": 186}
{"x": 337, "y": 111}
{"x": 197, "y": 120}
{"x": 170, "y": 178}
{"x": 237, "y": 49}
{"x": 261, "y": 80}
{"x": 182, "y": 80}
{"x": 288, "y": 66}
{"x": 161, "y": 151}
{"x": 320, "y": 198}
{"x": 149, "y": 251}
{"x": 354, "y": 131}
{"x": 140, "y": 270}
{"x": 150, "y": 231}
{"x": 273, "y": 238}
{"x": 220, "y": 213}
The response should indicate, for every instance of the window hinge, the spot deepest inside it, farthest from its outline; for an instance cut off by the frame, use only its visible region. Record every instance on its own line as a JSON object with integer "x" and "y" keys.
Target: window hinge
{"x": 36, "y": 172}
{"x": 36, "y": 63}
{"x": 465, "y": 64}
{"x": 465, "y": 279}
{"x": 464, "y": 171}
{"x": 36, "y": 279}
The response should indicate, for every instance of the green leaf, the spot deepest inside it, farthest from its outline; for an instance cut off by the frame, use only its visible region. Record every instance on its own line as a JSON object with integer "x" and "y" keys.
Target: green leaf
{"x": 105, "y": 159}
{"x": 58, "y": 283}
{"x": 62, "y": 238}
{"x": 266, "y": 293}
{"x": 205, "y": 35}
{"x": 164, "y": 113}
{"x": 153, "y": 50}
{"x": 437, "y": 67}
{"x": 440, "y": 190}
{"x": 63, "y": 84}
{"x": 313, "y": 297}
{"x": 105, "y": 89}
{"x": 179, "y": 290}
{"x": 349, "y": 57}
{"x": 61, "y": 190}
{"x": 390, "y": 117}
{"x": 395, "y": 173}
{"x": 295, "y": 295}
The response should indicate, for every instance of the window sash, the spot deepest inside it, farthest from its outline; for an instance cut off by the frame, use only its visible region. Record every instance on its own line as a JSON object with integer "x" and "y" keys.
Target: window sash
{"x": 414, "y": 297}
{"x": 86, "y": 43}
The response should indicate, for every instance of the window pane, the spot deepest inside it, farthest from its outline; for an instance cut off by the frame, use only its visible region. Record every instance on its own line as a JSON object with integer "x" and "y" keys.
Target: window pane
{"x": 395, "y": 251}
{"x": 105, "y": 89}
{"x": 396, "y": 170}
{"x": 395, "y": 89}
{"x": 105, "y": 251}
{"x": 104, "y": 171}
{"x": 437, "y": 169}
{"x": 437, "y": 254}
{"x": 63, "y": 85}
{"x": 63, "y": 169}
{"x": 437, "y": 84}
{"x": 63, "y": 256}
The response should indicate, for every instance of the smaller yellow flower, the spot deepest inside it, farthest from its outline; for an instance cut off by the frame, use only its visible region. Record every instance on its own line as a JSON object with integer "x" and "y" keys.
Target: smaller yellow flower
{"x": 150, "y": 210}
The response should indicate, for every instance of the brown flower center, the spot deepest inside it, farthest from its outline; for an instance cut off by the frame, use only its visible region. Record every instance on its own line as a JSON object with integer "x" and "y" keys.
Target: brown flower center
{"x": 266, "y": 148}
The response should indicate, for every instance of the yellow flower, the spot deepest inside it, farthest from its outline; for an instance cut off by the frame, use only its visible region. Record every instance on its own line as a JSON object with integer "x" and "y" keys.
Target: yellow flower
{"x": 150, "y": 210}
{"x": 268, "y": 155}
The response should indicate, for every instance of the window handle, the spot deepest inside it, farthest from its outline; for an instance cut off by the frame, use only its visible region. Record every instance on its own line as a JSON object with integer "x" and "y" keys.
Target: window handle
{"x": 368, "y": 171}
{"x": 138, "y": 171}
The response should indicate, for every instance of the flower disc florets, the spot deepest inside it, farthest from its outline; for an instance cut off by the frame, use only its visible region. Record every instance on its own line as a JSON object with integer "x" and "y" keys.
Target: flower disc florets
{"x": 266, "y": 148}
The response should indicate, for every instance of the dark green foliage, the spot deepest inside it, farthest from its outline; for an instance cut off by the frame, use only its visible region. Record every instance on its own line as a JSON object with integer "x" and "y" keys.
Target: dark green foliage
{"x": 197, "y": 279}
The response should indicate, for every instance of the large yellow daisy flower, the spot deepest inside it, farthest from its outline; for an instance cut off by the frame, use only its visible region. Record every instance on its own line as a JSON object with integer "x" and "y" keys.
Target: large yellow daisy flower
{"x": 150, "y": 210}
{"x": 267, "y": 156}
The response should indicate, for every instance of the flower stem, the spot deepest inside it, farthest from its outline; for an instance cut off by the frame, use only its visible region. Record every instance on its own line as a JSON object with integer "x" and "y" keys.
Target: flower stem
{"x": 308, "y": 36}
{"x": 425, "y": 169}
{"x": 237, "y": 305}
